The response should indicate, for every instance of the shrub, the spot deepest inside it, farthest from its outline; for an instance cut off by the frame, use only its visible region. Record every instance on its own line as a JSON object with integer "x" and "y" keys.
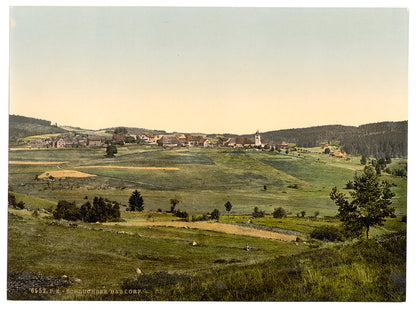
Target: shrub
{"x": 257, "y": 213}
{"x": 327, "y": 233}
{"x": 215, "y": 215}
{"x": 279, "y": 213}
{"x": 66, "y": 210}
{"x": 181, "y": 214}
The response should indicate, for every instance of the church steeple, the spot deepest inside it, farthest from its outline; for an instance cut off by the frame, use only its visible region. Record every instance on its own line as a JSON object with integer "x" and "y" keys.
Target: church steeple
{"x": 257, "y": 139}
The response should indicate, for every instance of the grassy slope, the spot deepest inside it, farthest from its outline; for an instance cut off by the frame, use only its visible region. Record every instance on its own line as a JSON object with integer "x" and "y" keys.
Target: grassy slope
{"x": 101, "y": 257}
{"x": 206, "y": 178}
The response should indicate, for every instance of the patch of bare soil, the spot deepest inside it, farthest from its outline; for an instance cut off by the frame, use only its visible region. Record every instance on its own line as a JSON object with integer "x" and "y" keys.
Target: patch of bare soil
{"x": 35, "y": 162}
{"x": 219, "y": 227}
{"x": 65, "y": 174}
{"x": 133, "y": 168}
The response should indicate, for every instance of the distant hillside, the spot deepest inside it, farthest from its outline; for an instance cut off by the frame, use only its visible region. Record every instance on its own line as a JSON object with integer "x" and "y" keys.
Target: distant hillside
{"x": 22, "y": 126}
{"x": 377, "y": 139}
{"x": 136, "y": 131}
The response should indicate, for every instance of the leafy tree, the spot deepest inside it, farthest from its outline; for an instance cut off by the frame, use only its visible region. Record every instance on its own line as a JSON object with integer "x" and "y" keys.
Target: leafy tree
{"x": 136, "y": 202}
{"x": 20, "y": 205}
{"x": 173, "y": 203}
{"x": 370, "y": 204}
{"x": 363, "y": 160}
{"x": 66, "y": 210}
{"x": 129, "y": 139}
{"x": 228, "y": 206}
{"x": 12, "y": 200}
{"x": 120, "y": 131}
{"x": 181, "y": 214}
{"x": 111, "y": 150}
{"x": 215, "y": 215}
{"x": 279, "y": 213}
{"x": 257, "y": 213}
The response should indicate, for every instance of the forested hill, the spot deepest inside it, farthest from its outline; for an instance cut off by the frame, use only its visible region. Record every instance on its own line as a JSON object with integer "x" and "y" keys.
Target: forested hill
{"x": 22, "y": 126}
{"x": 385, "y": 139}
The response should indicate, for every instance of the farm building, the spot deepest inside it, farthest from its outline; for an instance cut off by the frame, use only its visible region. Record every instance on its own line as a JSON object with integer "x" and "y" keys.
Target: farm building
{"x": 169, "y": 141}
{"x": 94, "y": 141}
{"x": 58, "y": 142}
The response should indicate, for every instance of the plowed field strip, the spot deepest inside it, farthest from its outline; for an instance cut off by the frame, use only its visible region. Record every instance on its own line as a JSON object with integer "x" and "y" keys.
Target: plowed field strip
{"x": 133, "y": 168}
{"x": 219, "y": 227}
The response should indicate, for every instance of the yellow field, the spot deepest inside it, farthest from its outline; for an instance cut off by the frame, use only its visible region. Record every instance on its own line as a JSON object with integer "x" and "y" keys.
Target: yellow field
{"x": 133, "y": 168}
{"x": 65, "y": 174}
{"x": 214, "y": 226}
{"x": 36, "y": 162}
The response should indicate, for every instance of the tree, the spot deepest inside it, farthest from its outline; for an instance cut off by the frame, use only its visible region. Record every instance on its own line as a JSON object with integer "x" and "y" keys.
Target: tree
{"x": 370, "y": 204}
{"x": 363, "y": 160}
{"x": 257, "y": 213}
{"x": 279, "y": 213}
{"x": 136, "y": 202}
{"x": 66, "y": 210}
{"x": 215, "y": 215}
{"x": 12, "y": 200}
{"x": 111, "y": 150}
{"x": 173, "y": 203}
{"x": 120, "y": 131}
{"x": 228, "y": 206}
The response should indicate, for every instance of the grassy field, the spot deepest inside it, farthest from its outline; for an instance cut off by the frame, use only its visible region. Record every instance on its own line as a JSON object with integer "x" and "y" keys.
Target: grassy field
{"x": 205, "y": 178}
{"x": 98, "y": 256}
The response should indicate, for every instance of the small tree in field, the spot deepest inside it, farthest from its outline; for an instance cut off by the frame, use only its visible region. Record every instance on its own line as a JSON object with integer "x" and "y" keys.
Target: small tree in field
{"x": 363, "y": 160}
{"x": 111, "y": 151}
{"x": 136, "y": 202}
{"x": 215, "y": 215}
{"x": 173, "y": 203}
{"x": 228, "y": 206}
{"x": 279, "y": 213}
{"x": 370, "y": 204}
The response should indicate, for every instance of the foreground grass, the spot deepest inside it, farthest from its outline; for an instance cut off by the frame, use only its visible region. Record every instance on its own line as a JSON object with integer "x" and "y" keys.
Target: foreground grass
{"x": 103, "y": 256}
{"x": 370, "y": 270}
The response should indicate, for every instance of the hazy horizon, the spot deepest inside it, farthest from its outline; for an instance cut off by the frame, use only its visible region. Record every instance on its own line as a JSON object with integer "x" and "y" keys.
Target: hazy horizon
{"x": 209, "y": 70}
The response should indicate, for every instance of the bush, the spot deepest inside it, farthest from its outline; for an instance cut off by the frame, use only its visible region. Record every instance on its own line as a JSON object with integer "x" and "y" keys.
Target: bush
{"x": 181, "y": 214}
{"x": 279, "y": 213}
{"x": 257, "y": 213}
{"x": 327, "y": 233}
{"x": 215, "y": 215}
{"x": 66, "y": 210}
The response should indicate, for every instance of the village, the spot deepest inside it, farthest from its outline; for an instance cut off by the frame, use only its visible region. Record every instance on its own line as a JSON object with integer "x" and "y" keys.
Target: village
{"x": 72, "y": 139}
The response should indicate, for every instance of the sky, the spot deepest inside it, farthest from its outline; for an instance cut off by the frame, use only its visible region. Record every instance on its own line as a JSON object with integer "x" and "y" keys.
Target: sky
{"x": 210, "y": 70}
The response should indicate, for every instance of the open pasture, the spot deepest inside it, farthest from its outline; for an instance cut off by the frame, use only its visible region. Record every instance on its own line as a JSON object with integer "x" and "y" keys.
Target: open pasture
{"x": 202, "y": 179}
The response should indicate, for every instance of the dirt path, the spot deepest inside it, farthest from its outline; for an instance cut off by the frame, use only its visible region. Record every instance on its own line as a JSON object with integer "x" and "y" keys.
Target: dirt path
{"x": 12, "y": 162}
{"x": 214, "y": 226}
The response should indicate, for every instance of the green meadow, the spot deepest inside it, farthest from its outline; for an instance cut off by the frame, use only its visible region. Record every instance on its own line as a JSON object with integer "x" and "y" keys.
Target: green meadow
{"x": 195, "y": 264}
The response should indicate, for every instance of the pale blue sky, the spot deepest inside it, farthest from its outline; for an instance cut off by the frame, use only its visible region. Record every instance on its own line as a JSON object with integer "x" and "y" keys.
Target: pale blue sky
{"x": 208, "y": 69}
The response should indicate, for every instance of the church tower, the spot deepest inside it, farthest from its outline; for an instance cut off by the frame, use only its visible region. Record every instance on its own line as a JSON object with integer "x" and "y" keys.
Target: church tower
{"x": 257, "y": 139}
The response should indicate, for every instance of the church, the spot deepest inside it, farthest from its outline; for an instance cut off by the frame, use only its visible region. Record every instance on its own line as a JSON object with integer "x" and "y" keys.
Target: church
{"x": 258, "y": 141}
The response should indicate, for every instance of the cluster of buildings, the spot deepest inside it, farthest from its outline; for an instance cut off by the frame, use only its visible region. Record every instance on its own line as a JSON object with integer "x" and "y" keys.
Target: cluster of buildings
{"x": 166, "y": 141}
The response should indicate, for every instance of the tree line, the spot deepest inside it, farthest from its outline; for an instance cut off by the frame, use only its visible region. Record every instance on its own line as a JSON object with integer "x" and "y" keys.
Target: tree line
{"x": 384, "y": 139}
{"x": 101, "y": 210}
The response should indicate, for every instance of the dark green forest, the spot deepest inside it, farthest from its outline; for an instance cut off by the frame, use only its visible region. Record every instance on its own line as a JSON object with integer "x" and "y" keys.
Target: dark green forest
{"x": 22, "y": 126}
{"x": 381, "y": 140}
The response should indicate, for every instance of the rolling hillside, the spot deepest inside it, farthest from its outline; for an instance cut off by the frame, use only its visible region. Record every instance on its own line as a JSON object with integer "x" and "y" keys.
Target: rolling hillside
{"x": 22, "y": 126}
{"x": 385, "y": 139}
